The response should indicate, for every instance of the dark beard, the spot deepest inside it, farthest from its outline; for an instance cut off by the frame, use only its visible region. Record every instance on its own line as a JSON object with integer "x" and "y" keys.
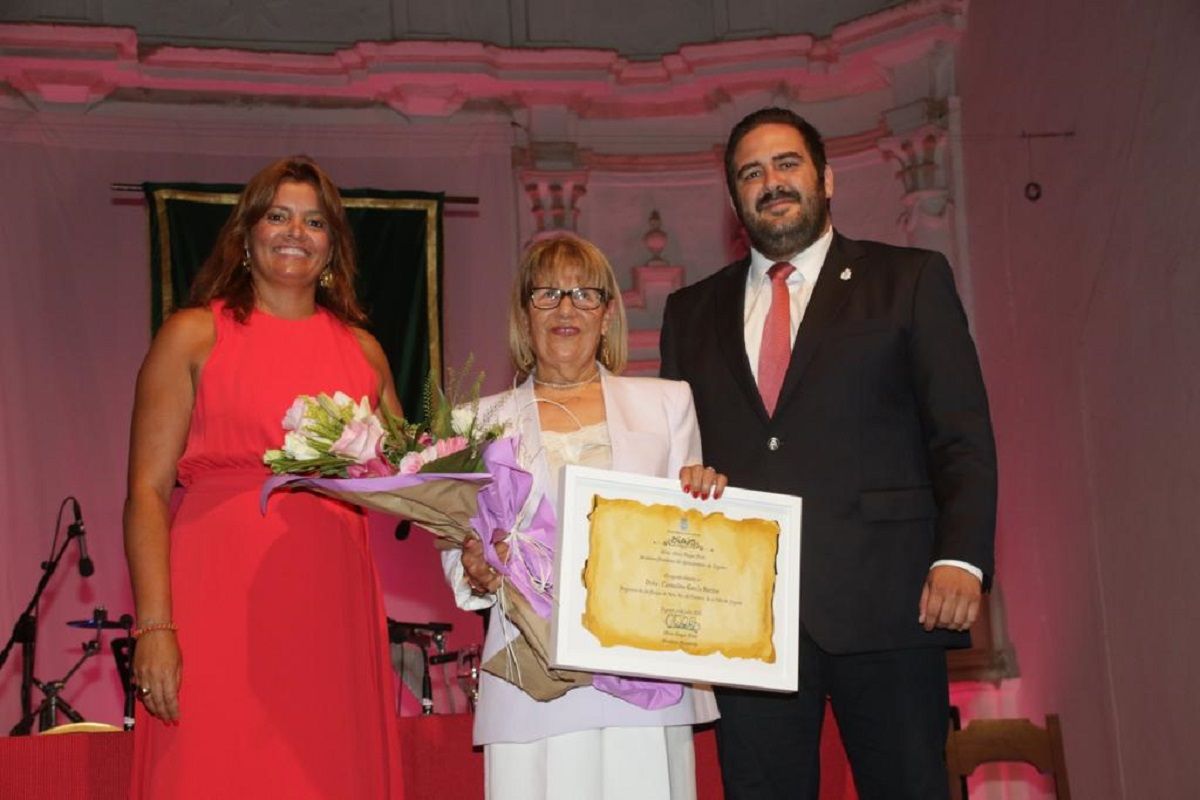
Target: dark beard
{"x": 780, "y": 244}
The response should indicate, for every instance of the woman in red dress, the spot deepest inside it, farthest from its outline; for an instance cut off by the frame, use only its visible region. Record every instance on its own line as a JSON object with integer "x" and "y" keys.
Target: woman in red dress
{"x": 262, "y": 652}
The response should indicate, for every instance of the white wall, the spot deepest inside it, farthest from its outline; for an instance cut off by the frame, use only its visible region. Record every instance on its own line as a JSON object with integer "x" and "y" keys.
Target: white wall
{"x": 1086, "y": 315}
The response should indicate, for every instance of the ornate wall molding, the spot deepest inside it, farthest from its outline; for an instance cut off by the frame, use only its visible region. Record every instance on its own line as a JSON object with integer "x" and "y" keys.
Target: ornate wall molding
{"x": 73, "y": 66}
{"x": 632, "y": 27}
{"x": 586, "y": 128}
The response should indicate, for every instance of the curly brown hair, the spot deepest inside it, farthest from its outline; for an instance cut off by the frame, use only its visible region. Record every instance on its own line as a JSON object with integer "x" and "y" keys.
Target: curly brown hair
{"x": 223, "y": 276}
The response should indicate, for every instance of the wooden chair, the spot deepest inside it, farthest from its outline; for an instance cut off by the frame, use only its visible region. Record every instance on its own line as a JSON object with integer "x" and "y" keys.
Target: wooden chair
{"x": 990, "y": 740}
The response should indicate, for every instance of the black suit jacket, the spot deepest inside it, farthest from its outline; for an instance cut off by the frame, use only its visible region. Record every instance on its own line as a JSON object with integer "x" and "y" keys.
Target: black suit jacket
{"x": 882, "y": 427}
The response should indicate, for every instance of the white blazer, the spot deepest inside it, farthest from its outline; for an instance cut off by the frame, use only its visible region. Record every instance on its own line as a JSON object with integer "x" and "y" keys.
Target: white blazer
{"x": 652, "y": 430}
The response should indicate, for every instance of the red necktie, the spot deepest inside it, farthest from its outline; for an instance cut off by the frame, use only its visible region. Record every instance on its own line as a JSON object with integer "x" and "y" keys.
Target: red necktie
{"x": 776, "y": 347}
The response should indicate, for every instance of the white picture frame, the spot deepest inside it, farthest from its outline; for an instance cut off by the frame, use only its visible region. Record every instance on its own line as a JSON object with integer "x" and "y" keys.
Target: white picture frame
{"x": 572, "y": 646}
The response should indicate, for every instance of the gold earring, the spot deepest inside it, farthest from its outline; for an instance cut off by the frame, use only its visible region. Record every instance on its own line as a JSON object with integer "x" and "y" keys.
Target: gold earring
{"x": 605, "y": 354}
{"x": 246, "y": 258}
{"x": 326, "y": 279}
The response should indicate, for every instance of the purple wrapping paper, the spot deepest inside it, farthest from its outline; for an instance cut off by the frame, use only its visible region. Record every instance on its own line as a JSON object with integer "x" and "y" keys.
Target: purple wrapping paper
{"x": 531, "y": 551}
{"x": 505, "y": 487}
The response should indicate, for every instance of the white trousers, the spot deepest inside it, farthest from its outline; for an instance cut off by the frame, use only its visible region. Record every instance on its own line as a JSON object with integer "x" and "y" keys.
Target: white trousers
{"x": 651, "y": 763}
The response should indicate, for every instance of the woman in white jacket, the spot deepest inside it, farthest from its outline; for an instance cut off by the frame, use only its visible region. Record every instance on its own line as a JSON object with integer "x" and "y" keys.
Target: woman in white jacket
{"x": 567, "y": 339}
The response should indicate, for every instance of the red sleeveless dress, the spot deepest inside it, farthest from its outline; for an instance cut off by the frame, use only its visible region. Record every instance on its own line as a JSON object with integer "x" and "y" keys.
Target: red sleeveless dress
{"x": 287, "y": 684}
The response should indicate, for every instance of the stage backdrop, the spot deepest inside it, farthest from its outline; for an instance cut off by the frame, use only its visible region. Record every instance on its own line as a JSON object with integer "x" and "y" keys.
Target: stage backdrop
{"x": 397, "y": 237}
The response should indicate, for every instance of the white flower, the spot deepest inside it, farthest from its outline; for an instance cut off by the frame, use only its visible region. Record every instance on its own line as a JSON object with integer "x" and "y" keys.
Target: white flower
{"x": 362, "y": 411}
{"x": 297, "y": 446}
{"x": 462, "y": 419}
{"x": 294, "y": 419}
{"x": 341, "y": 407}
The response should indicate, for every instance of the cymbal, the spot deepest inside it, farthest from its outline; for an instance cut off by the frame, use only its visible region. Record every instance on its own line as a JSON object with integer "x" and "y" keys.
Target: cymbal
{"x": 93, "y": 624}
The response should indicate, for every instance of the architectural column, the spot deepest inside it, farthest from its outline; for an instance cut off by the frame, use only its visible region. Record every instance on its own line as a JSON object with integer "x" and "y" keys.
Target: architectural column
{"x": 927, "y": 214}
{"x": 926, "y": 147}
{"x": 555, "y": 181}
{"x": 924, "y": 141}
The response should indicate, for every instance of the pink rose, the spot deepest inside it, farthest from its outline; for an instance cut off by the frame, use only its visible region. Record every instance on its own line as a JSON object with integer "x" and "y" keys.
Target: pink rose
{"x": 359, "y": 440}
{"x": 294, "y": 418}
{"x": 375, "y": 468}
{"x": 411, "y": 464}
{"x": 425, "y": 439}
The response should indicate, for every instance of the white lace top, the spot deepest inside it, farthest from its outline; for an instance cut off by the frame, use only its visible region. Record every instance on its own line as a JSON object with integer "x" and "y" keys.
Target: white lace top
{"x": 588, "y": 446}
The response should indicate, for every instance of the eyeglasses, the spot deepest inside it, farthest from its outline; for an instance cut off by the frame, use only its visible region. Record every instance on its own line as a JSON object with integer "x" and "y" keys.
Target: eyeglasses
{"x": 585, "y": 298}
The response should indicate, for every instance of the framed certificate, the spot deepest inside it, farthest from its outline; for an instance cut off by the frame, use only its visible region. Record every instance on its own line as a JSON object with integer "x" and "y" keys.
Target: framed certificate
{"x": 651, "y": 582}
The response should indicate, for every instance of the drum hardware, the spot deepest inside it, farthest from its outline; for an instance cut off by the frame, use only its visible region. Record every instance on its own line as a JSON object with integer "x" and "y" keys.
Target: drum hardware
{"x": 52, "y": 703}
{"x": 468, "y": 662}
{"x": 83, "y": 727}
{"x": 25, "y": 629}
{"x": 424, "y": 635}
{"x": 122, "y": 650}
{"x": 125, "y": 622}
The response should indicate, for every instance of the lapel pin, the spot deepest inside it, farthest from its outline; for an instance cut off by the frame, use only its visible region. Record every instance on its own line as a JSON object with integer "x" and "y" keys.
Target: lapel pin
{"x": 845, "y": 274}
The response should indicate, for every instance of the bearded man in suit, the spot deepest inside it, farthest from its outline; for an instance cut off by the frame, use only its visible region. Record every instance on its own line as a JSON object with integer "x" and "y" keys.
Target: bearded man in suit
{"x": 843, "y": 372}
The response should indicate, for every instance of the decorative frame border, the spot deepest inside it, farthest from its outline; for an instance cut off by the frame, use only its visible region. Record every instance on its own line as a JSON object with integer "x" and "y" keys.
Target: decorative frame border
{"x": 166, "y": 293}
{"x": 572, "y": 646}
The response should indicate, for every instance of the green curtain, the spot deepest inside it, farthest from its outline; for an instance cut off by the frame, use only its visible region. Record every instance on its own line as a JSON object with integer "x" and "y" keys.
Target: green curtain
{"x": 398, "y": 240}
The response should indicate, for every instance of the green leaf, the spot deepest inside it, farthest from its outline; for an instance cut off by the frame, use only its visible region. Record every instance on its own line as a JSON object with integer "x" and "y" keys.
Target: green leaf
{"x": 468, "y": 460}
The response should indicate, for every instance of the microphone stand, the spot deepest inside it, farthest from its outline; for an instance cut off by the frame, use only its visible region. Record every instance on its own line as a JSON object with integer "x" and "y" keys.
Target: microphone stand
{"x": 25, "y": 631}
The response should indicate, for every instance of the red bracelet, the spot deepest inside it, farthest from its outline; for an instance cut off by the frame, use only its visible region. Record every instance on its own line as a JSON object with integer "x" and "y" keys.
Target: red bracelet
{"x": 152, "y": 627}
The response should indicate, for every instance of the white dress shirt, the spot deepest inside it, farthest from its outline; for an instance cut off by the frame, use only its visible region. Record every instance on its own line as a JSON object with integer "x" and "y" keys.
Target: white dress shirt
{"x": 800, "y": 286}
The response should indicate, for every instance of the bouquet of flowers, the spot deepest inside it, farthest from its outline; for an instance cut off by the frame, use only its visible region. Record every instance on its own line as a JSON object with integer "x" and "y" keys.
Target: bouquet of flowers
{"x": 456, "y": 475}
{"x": 337, "y": 437}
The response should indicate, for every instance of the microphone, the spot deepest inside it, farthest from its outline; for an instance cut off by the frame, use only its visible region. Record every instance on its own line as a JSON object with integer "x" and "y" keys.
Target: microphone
{"x": 76, "y": 530}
